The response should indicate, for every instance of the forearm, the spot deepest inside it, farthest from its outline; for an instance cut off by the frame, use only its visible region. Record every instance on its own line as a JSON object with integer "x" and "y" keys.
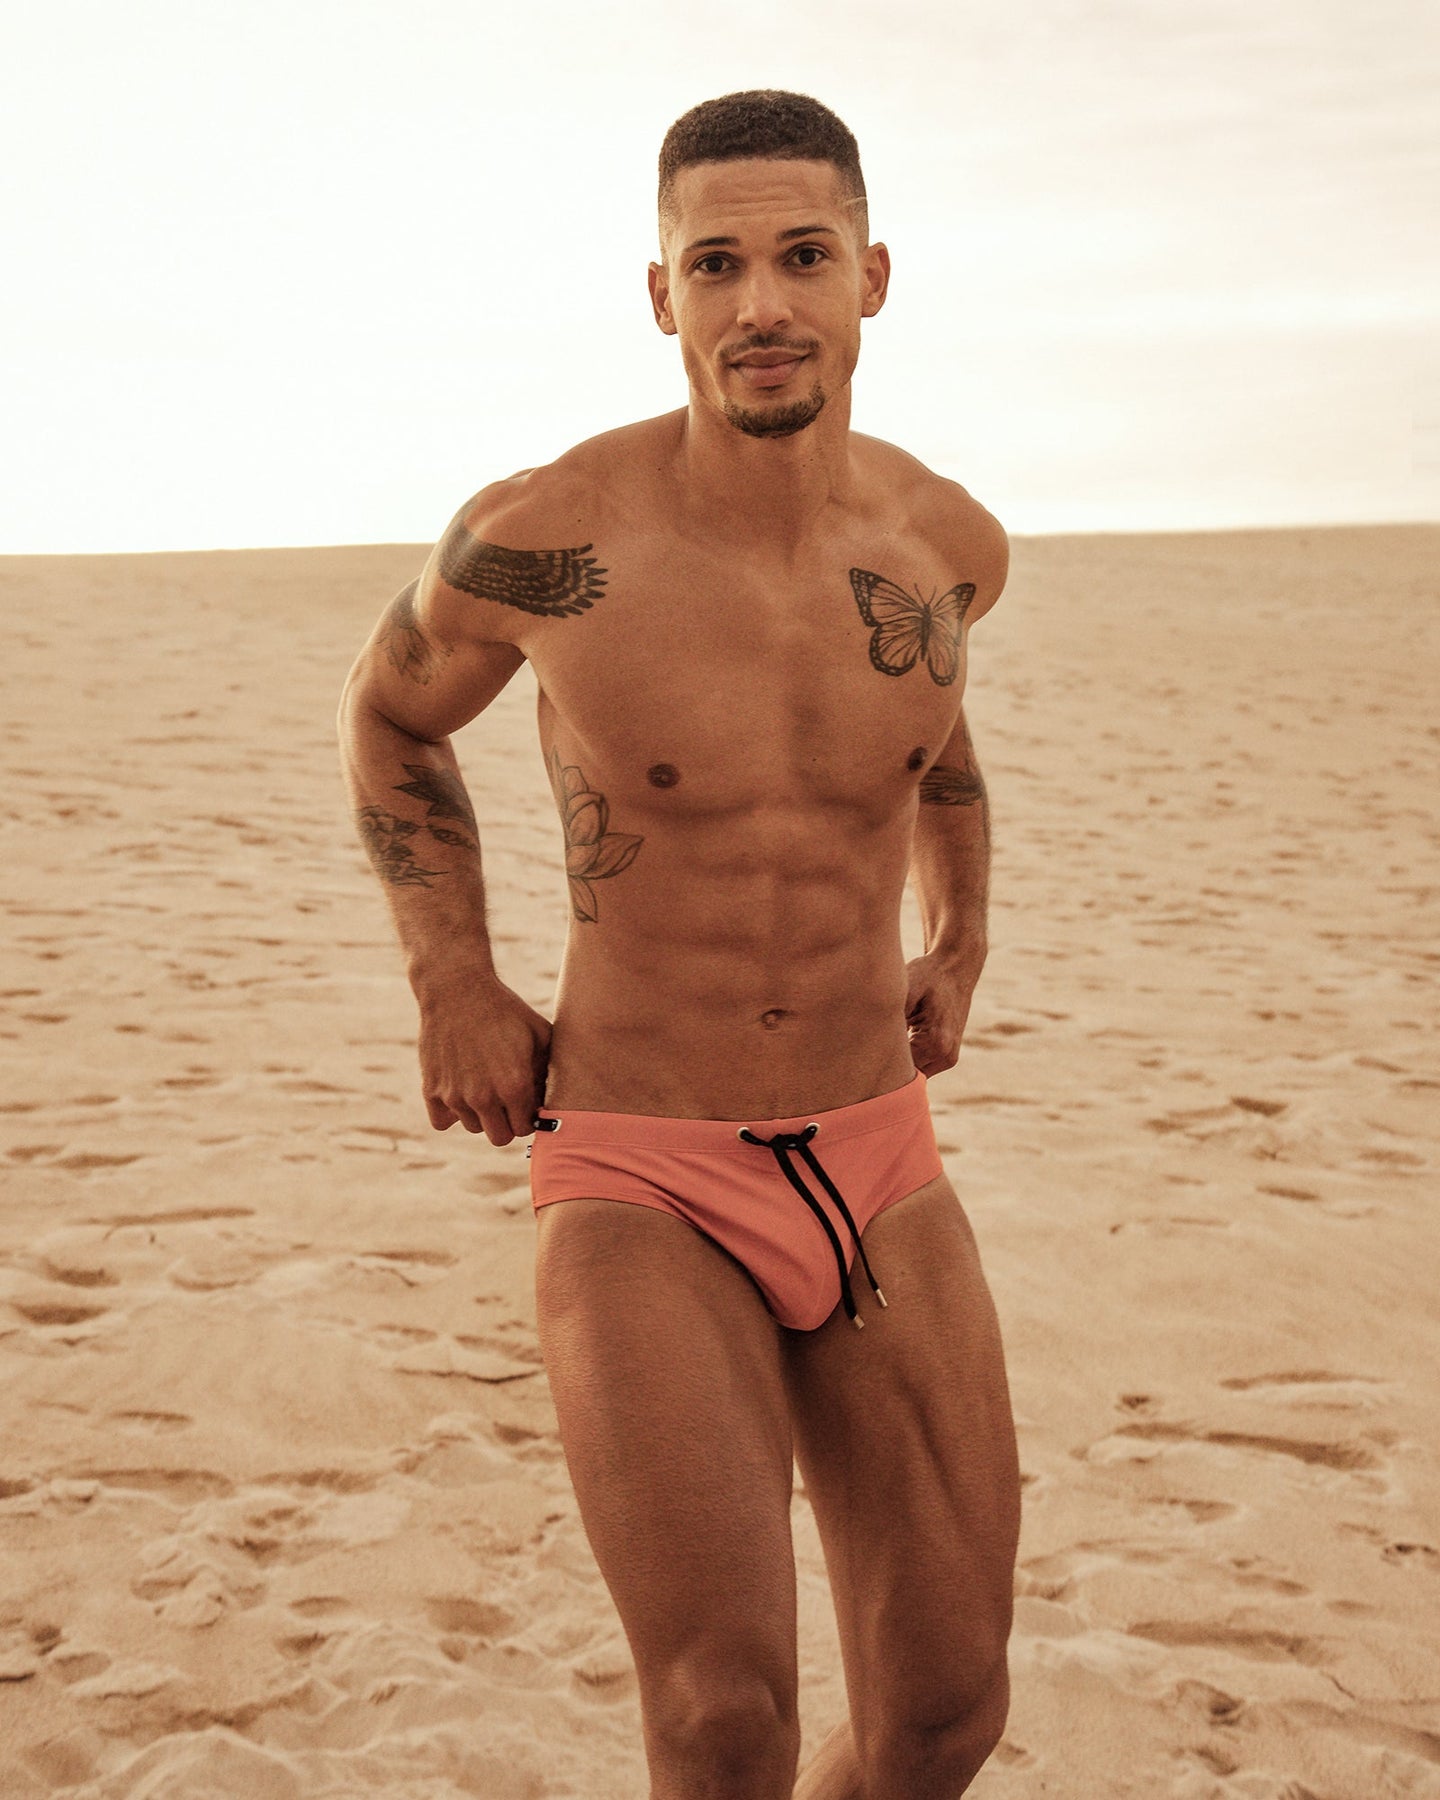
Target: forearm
{"x": 951, "y": 861}
{"x": 418, "y": 828}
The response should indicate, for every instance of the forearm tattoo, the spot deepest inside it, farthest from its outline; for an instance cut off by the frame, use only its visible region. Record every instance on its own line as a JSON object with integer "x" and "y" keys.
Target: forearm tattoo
{"x": 906, "y": 629}
{"x": 947, "y": 785}
{"x": 592, "y": 851}
{"x": 386, "y": 836}
{"x": 445, "y": 798}
{"x": 553, "y": 583}
{"x": 942, "y": 786}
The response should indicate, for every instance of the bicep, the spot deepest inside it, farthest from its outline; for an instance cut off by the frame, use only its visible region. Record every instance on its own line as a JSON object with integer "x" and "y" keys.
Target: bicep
{"x": 423, "y": 670}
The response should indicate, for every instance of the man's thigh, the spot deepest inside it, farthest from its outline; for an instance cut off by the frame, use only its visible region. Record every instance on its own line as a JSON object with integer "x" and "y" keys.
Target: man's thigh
{"x": 905, "y": 1439}
{"x": 664, "y": 1363}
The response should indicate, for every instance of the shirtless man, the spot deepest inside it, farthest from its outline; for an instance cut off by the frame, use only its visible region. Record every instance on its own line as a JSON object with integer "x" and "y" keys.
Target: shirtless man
{"x": 748, "y": 625}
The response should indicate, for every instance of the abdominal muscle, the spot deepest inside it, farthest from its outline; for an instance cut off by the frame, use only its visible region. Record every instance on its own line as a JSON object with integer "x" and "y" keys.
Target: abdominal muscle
{"x": 719, "y": 986}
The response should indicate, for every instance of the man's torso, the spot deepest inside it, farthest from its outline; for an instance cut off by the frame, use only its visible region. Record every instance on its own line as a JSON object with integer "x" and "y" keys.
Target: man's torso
{"x": 736, "y": 735}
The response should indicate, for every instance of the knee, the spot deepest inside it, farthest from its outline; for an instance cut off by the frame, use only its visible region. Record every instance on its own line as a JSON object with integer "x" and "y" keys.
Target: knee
{"x": 935, "y": 1755}
{"x": 718, "y": 1736}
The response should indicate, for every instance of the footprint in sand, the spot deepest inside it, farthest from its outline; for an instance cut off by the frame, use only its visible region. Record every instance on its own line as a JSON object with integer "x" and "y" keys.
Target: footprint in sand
{"x": 1202, "y": 1512}
{"x": 189, "y": 1585}
{"x": 151, "y": 1422}
{"x": 179, "y": 1487}
{"x": 1213, "y": 1705}
{"x": 1254, "y": 1642}
{"x": 411, "y": 1268}
{"x": 185, "y": 1215}
{"x": 1414, "y": 1556}
{"x": 1405, "y": 1553}
{"x": 489, "y": 1359}
{"x": 1293, "y": 1378}
{"x": 605, "y": 1672}
{"x": 214, "y": 1267}
{"x": 52, "y": 1312}
{"x": 321, "y": 1606}
{"x": 478, "y": 1619}
{"x": 78, "y": 1270}
{"x": 85, "y": 1161}
{"x": 1346, "y": 1456}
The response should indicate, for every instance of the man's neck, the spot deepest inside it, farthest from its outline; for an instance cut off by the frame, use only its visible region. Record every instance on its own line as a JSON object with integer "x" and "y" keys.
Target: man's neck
{"x": 775, "y": 488}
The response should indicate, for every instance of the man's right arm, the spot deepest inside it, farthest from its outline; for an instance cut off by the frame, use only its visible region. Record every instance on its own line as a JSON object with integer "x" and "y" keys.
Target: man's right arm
{"x": 424, "y": 673}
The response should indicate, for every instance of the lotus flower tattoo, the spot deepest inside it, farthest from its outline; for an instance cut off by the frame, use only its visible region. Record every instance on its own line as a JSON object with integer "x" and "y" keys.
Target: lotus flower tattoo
{"x": 592, "y": 850}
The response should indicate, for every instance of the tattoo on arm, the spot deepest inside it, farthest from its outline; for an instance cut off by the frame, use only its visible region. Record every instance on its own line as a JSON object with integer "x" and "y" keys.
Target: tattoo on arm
{"x": 445, "y": 798}
{"x": 906, "y": 629}
{"x": 944, "y": 786}
{"x": 947, "y": 785}
{"x": 385, "y": 836}
{"x": 552, "y": 583}
{"x": 592, "y": 851}
{"x": 407, "y": 646}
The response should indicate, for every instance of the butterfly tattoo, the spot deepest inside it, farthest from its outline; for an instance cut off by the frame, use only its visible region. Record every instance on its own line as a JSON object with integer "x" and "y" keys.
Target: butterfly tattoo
{"x": 907, "y": 628}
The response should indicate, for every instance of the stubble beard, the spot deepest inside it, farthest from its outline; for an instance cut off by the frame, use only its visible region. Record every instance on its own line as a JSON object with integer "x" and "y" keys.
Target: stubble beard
{"x": 777, "y": 421}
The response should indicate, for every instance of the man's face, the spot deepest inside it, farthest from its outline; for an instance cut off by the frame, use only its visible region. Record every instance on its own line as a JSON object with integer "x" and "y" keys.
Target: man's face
{"x": 765, "y": 285}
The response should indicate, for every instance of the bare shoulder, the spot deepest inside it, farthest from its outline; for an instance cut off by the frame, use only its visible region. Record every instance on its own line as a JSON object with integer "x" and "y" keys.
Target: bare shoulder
{"x": 948, "y": 519}
{"x": 526, "y": 547}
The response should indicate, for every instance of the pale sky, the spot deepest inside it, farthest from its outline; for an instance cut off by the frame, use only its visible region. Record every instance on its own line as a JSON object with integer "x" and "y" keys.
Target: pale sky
{"x": 314, "y": 271}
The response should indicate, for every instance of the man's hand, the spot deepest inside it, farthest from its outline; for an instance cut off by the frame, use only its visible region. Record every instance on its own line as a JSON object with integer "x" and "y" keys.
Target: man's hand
{"x": 937, "y": 1004}
{"x": 483, "y": 1056}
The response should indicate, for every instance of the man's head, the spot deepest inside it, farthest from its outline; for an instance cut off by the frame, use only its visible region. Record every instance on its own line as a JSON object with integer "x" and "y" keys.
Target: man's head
{"x": 764, "y": 239}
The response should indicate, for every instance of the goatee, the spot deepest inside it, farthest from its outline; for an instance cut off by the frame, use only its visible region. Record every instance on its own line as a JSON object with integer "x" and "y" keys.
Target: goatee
{"x": 778, "y": 421}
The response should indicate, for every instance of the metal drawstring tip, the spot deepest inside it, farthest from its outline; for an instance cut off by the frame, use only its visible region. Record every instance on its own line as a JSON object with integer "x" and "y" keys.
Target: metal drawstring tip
{"x": 858, "y": 1322}
{"x": 881, "y": 1298}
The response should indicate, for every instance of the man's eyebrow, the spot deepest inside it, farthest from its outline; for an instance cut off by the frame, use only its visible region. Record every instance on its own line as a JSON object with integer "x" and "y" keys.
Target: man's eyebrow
{"x": 781, "y": 237}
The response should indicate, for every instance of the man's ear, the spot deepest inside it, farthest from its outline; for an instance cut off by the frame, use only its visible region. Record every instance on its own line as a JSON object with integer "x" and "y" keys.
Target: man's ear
{"x": 875, "y": 270}
{"x": 660, "y": 298}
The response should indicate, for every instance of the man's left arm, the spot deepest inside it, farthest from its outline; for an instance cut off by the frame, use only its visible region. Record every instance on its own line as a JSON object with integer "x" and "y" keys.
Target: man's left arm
{"x": 950, "y": 863}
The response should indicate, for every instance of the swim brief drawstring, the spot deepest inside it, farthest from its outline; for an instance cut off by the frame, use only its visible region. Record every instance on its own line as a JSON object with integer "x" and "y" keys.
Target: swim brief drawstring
{"x": 781, "y": 1145}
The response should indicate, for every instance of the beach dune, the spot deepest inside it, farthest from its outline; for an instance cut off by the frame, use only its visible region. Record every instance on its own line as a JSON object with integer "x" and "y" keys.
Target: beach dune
{"x": 283, "y": 1511}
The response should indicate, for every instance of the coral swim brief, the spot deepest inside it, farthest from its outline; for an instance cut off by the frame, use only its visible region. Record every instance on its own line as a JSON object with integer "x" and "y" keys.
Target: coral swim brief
{"x": 743, "y": 1184}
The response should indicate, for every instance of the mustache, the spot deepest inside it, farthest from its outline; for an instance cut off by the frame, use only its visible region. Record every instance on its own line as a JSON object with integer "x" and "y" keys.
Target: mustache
{"x": 769, "y": 340}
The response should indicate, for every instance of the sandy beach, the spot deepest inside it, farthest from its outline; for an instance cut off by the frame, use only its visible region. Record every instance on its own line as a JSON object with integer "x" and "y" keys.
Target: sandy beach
{"x": 283, "y": 1511}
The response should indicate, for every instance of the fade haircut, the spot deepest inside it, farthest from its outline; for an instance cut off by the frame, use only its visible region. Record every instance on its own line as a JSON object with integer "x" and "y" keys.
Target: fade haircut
{"x": 763, "y": 122}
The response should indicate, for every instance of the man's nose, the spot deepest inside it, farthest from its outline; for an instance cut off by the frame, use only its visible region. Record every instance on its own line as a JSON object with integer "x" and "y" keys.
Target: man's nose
{"x": 763, "y": 302}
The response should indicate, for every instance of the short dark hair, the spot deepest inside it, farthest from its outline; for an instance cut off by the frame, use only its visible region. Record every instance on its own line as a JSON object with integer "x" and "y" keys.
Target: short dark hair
{"x": 763, "y": 122}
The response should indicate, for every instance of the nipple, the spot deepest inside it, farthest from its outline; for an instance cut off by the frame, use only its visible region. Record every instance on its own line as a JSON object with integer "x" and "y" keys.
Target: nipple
{"x": 662, "y": 775}
{"x": 917, "y": 758}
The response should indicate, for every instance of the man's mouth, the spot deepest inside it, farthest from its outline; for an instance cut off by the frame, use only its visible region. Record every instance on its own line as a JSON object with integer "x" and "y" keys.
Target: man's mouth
{"x": 767, "y": 368}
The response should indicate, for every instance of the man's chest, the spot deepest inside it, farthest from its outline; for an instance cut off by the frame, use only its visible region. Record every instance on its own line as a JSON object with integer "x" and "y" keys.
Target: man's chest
{"x": 816, "y": 680}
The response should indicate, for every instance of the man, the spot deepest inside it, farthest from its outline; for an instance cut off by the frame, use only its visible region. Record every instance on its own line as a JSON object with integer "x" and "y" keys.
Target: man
{"x": 748, "y": 625}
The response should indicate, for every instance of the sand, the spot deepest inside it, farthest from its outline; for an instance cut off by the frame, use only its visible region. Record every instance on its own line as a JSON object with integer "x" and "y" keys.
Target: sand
{"x": 282, "y": 1507}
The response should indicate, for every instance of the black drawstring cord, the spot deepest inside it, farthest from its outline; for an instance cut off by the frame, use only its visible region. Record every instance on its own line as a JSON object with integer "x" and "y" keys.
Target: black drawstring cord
{"x": 799, "y": 1141}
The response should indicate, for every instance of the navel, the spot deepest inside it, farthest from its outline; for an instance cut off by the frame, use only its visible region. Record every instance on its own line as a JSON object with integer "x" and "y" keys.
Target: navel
{"x": 662, "y": 775}
{"x": 917, "y": 758}
{"x": 774, "y": 1018}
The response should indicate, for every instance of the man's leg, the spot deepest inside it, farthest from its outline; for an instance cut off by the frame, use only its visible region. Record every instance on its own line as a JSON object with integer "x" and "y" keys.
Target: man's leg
{"x": 905, "y": 1440}
{"x": 665, "y": 1367}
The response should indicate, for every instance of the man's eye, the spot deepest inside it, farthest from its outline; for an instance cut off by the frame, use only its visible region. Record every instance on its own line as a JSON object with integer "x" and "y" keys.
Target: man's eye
{"x": 701, "y": 266}
{"x": 809, "y": 250}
